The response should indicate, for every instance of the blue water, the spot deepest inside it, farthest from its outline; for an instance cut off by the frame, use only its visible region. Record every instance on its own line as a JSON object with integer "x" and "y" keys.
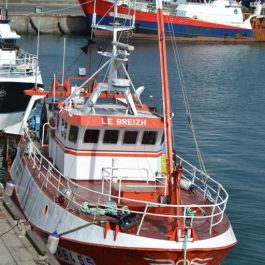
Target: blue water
{"x": 225, "y": 84}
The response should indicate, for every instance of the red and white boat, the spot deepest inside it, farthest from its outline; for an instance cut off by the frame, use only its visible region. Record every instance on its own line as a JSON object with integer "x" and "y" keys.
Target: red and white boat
{"x": 103, "y": 189}
{"x": 193, "y": 20}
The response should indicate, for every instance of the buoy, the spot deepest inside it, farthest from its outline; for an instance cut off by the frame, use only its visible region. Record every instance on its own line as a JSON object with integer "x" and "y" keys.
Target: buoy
{"x": 53, "y": 242}
{"x": 187, "y": 185}
{"x": 9, "y": 189}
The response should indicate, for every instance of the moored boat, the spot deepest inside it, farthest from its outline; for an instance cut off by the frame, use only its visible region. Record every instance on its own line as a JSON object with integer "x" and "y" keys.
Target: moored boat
{"x": 216, "y": 20}
{"x": 103, "y": 188}
{"x": 19, "y": 70}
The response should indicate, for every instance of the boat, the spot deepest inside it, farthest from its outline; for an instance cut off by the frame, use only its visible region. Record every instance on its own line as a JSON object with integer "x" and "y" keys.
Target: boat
{"x": 18, "y": 71}
{"x": 105, "y": 186}
{"x": 191, "y": 20}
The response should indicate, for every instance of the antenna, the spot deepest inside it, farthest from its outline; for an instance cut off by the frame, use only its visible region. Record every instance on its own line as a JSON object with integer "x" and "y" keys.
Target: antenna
{"x": 64, "y": 44}
{"x": 37, "y": 62}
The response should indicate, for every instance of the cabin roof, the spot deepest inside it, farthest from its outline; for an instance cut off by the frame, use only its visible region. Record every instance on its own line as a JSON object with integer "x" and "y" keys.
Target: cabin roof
{"x": 111, "y": 115}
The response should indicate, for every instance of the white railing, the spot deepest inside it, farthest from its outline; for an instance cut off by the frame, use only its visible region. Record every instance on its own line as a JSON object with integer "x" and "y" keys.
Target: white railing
{"x": 108, "y": 176}
{"x": 213, "y": 209}
{"x": 25, "y": 64}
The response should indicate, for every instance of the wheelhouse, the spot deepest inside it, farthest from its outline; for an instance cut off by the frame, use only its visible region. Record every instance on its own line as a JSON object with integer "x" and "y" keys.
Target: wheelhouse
{"x": 82, "y": 142}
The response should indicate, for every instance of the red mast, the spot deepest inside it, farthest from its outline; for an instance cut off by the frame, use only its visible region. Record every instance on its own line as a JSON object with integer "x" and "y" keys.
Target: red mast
{"x": 173, "y": 183}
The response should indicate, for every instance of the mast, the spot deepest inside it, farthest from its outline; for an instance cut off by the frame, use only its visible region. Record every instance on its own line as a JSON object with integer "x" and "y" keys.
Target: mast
{"x": 174, "y": 194}
{"x": 165, "y": 87}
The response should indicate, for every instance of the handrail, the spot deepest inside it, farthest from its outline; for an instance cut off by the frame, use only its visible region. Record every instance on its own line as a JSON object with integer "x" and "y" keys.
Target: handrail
{"x": 23, "y": 64}
{"x": 214, "y": 211}
{"x": 109, "y": 178}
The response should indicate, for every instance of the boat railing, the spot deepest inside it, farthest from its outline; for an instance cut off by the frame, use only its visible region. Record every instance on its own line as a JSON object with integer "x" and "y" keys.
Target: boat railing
{"x": 212, "y": 208}
{"x": 25, "y": 64}
{"x": 108, "y": 176}
{"x": 213, "y": 192}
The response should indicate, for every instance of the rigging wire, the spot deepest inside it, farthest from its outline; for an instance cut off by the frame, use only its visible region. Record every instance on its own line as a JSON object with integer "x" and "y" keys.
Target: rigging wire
{"x": 184, "y": 93}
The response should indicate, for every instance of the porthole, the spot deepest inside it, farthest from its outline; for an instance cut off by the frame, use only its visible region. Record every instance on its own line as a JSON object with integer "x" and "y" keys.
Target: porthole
{"x": 45, "y": 210}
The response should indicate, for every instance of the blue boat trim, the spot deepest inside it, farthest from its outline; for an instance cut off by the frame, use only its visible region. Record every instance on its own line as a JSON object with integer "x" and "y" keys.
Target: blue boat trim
{"x": 182, "y": 30}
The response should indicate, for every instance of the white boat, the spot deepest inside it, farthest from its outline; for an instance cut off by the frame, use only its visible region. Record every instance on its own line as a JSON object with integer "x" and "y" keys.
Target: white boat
{"x": 18, "y": 71}
{"x": 102, "y": 190}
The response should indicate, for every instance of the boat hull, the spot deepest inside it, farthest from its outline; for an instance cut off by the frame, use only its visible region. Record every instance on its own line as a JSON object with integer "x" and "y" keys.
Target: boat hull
{"x": 94, "y": 245}
{"x": 183, "y": 28}
{"x": 13, "y": 102}
{"x": 73, "y": 253}
{"x": 148, "y": 30}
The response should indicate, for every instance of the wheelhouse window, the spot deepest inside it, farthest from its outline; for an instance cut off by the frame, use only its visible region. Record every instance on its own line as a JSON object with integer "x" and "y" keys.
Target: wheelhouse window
{"x": 130, "y": 137}
{"x": 162, "y": 139}
{"x": 111, "y": 137}
{"x": 64, "y": 128}
{"x": 73, "y": 134}
{"x": 57, "y": 122}
{"x": 149, "y": 137}
{"x": 91, "y": 136}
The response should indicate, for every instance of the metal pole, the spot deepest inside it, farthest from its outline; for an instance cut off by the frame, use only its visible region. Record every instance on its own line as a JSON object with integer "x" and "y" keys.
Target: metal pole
{"x": 37, "y": 62}
{"x": 64, "y": 44}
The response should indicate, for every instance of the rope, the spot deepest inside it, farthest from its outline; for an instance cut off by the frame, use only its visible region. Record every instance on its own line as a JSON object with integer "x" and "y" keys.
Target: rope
{"x": 184, "y": 93}
{"x": 9, "y": 230}
{"x": 110, "y": 208}
{"x": 191, "y": 214}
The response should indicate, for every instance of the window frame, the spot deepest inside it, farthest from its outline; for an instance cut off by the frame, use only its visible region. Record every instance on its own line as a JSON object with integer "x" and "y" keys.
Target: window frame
{"x": 112, "y": 142}
{"x": 136, "y": 138}
{"x": 96, "y": 137}
{"x": 76, "y": 136}
{"x": 149, "y": 143}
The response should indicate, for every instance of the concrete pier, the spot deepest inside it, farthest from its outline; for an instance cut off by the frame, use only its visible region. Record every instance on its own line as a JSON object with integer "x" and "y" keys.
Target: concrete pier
{"x": 50, "y": 24}
{"x": 19, "y": 245}
{"x": 59, "y": 17}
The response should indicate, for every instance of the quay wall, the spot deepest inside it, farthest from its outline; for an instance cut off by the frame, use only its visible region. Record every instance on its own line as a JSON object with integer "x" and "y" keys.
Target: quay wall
{"x": 50, "y": 24}
{"x": 62, "y": 2}
{"x": 56, "y": 17}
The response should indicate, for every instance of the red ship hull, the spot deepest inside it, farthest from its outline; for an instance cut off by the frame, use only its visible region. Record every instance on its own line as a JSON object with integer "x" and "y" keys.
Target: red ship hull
{"x": 184, "y": 28}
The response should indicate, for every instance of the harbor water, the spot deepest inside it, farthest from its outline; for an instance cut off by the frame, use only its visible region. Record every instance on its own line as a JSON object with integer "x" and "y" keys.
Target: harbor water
{"x": 225, "y": 84}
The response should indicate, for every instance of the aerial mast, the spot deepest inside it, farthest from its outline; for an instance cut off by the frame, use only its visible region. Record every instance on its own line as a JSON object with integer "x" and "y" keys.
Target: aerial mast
{"x": 174, "y": 195}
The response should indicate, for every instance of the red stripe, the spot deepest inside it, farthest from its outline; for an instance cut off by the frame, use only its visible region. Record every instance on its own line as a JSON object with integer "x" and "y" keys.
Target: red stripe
{"x": 103, "y": 6}
{"x": 94, "y": 153}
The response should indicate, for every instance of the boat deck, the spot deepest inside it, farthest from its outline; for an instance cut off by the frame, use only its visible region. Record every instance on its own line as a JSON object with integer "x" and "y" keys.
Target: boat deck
{"x": 155, "y": 220}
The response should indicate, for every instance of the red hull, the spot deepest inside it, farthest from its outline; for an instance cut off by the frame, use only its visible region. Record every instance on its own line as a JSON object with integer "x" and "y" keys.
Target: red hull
{"x": 104, "y": 7}
{"x": 73, "y": 252}
{"x": 76, "y": 252}
{"x": 99, "y": 255}
{"x": 184, "y": 28}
